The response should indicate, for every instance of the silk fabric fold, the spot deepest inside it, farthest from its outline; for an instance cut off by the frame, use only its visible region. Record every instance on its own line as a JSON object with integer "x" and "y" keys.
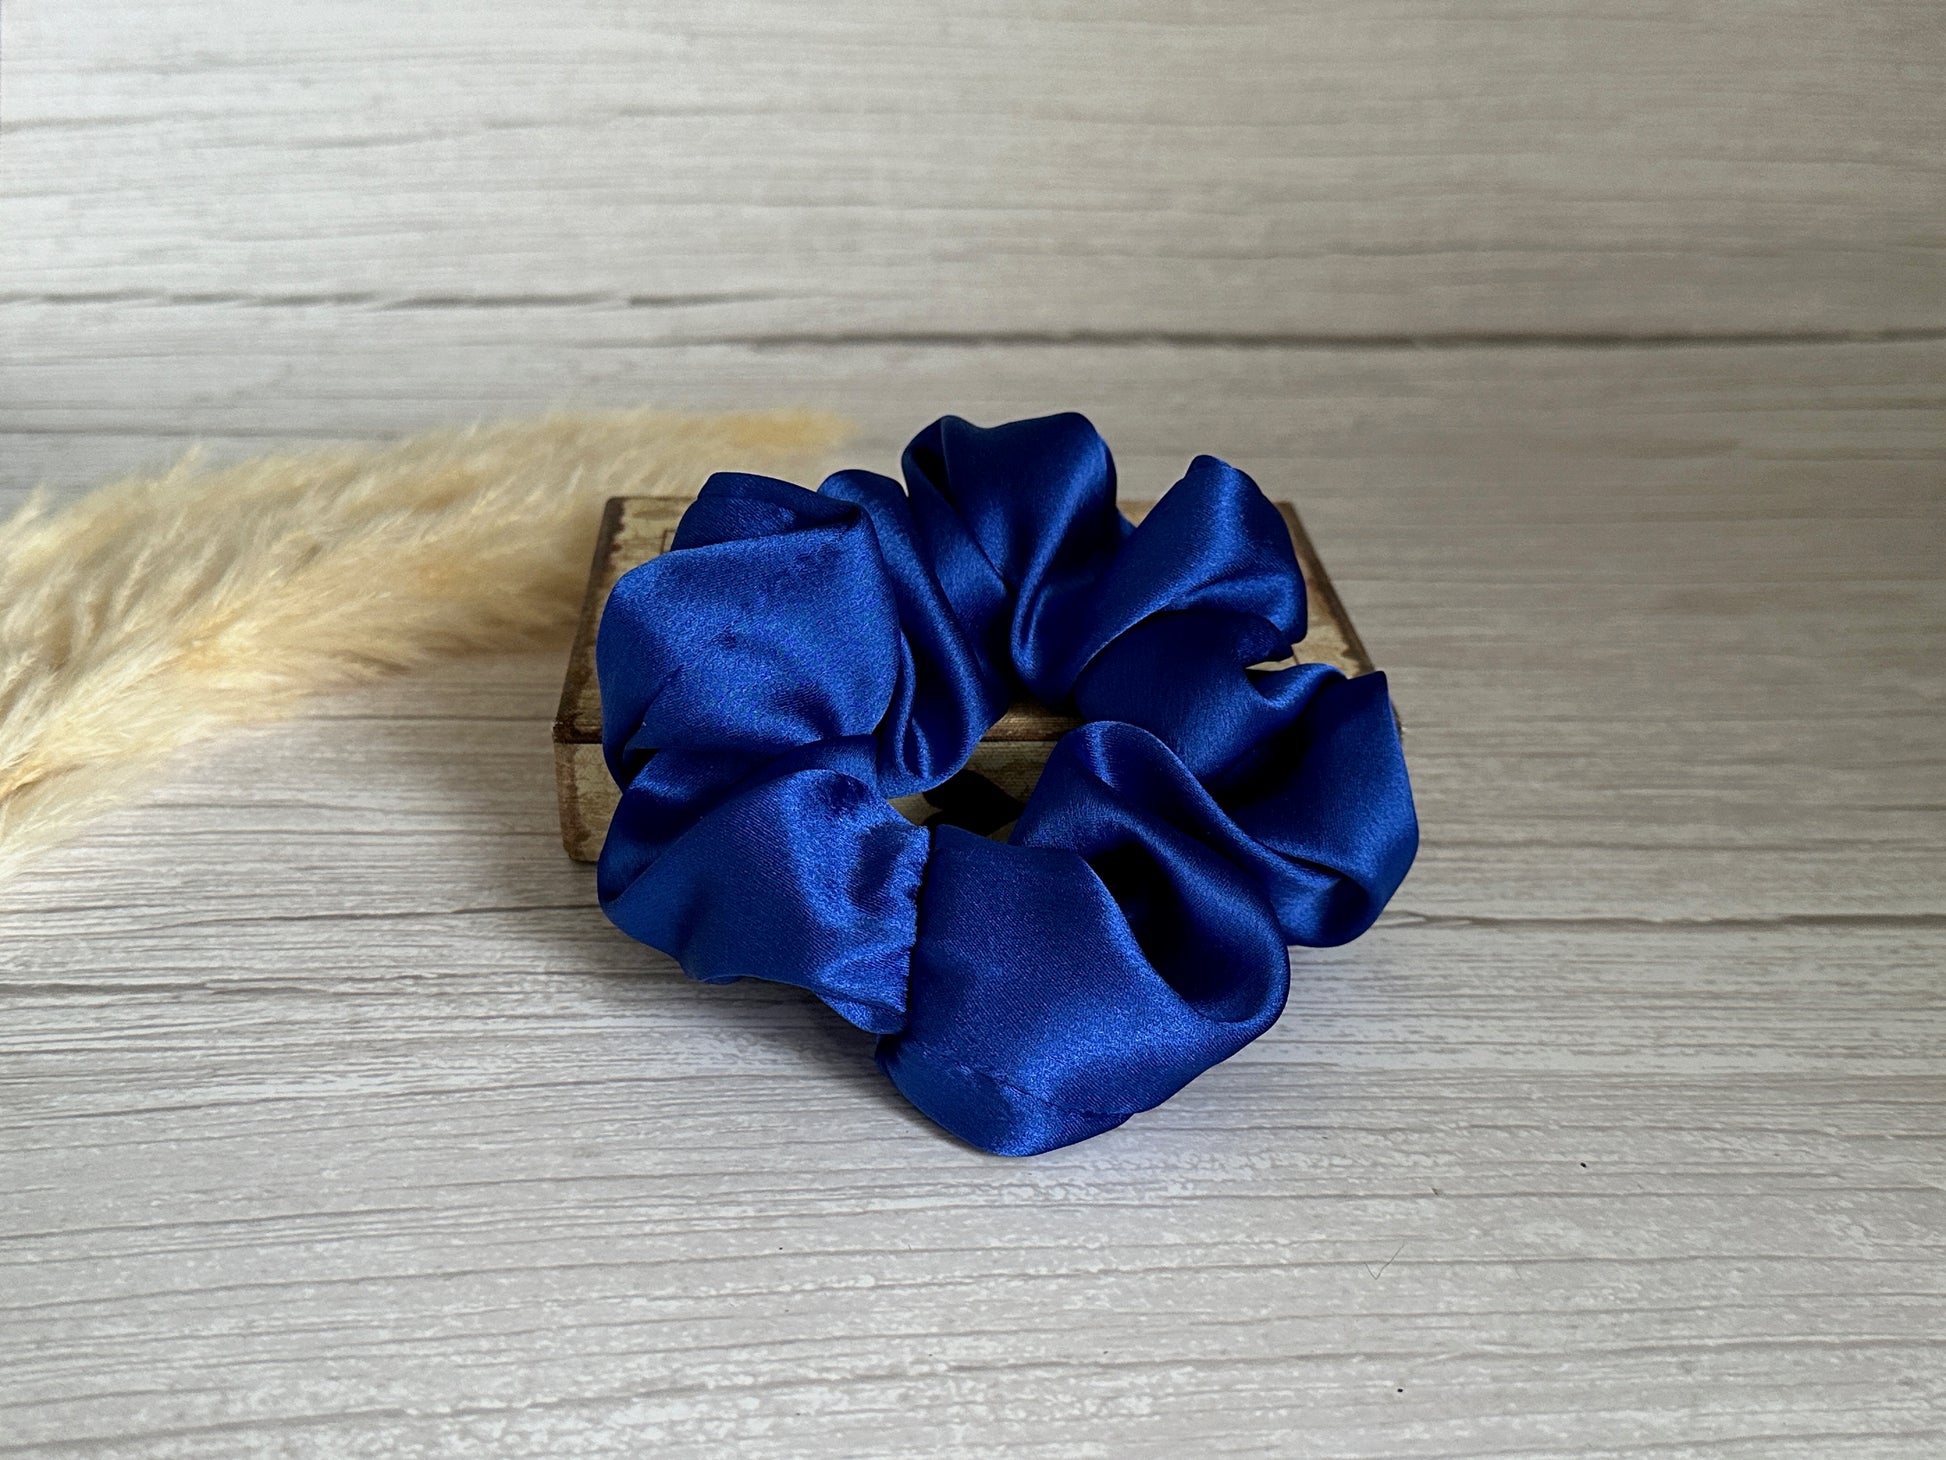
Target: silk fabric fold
{"x": 798, "y": 657}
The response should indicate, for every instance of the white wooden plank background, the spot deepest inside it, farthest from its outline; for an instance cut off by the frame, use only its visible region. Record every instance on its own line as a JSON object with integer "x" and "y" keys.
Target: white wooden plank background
{"x": 1604, "y": 350}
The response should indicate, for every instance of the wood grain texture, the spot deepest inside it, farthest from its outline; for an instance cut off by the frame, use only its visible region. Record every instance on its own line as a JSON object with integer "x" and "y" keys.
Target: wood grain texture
{"x": 335, "y": 1121}
{"x": 1664, "y": 624}
{"x": 339, "y": 1122}
{"x": 428, "y": 1159}
{"x": 773, "y": 170}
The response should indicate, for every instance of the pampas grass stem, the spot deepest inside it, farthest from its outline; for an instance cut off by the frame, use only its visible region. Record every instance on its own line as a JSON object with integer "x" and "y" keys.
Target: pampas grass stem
{"x": 163, "y": 609}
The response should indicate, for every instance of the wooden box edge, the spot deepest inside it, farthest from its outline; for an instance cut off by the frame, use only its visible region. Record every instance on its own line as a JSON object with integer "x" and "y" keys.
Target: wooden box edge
{"x": 1007, "y": 753}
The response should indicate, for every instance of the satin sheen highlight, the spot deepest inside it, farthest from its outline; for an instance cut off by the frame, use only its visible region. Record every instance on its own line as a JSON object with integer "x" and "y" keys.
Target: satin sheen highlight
{"x": 798, "y": 657}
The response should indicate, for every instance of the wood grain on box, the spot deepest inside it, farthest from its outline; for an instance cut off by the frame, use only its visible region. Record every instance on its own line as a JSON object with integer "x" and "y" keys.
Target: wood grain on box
{"x": 1011, "y": 754}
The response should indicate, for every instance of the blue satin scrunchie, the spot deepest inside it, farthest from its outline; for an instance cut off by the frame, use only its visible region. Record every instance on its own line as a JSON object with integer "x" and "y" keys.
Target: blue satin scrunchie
{"x": 798, "y": 657}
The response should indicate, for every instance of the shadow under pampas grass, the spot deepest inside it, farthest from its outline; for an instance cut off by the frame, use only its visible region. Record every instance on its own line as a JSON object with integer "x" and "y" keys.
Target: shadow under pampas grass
{"x": 160, "y": 610}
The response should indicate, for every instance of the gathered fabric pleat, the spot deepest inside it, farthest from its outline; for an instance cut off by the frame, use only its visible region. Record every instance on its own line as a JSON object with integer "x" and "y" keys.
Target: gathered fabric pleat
{"x": 797, "y": 657}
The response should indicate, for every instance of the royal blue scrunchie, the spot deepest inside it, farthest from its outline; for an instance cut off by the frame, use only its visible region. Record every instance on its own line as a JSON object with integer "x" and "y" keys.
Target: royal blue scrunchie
{"x": 798, "y": 657}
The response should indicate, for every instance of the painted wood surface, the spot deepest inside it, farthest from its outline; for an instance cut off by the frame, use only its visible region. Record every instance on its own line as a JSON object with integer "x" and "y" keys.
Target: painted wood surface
{"x": 334, "y": 1120}
{"x": 775, "y": 170}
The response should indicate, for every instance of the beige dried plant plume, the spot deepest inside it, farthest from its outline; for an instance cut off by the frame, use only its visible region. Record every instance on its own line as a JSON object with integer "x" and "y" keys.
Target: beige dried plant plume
{"x": 162, "y": 609}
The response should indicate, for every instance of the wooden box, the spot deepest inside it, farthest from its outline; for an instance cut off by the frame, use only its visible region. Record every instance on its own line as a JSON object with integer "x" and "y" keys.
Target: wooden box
{"x": 635, "y": 529}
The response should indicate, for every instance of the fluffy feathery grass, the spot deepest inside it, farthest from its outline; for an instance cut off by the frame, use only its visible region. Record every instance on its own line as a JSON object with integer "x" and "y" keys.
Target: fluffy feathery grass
{"x": 162, "y": 609}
